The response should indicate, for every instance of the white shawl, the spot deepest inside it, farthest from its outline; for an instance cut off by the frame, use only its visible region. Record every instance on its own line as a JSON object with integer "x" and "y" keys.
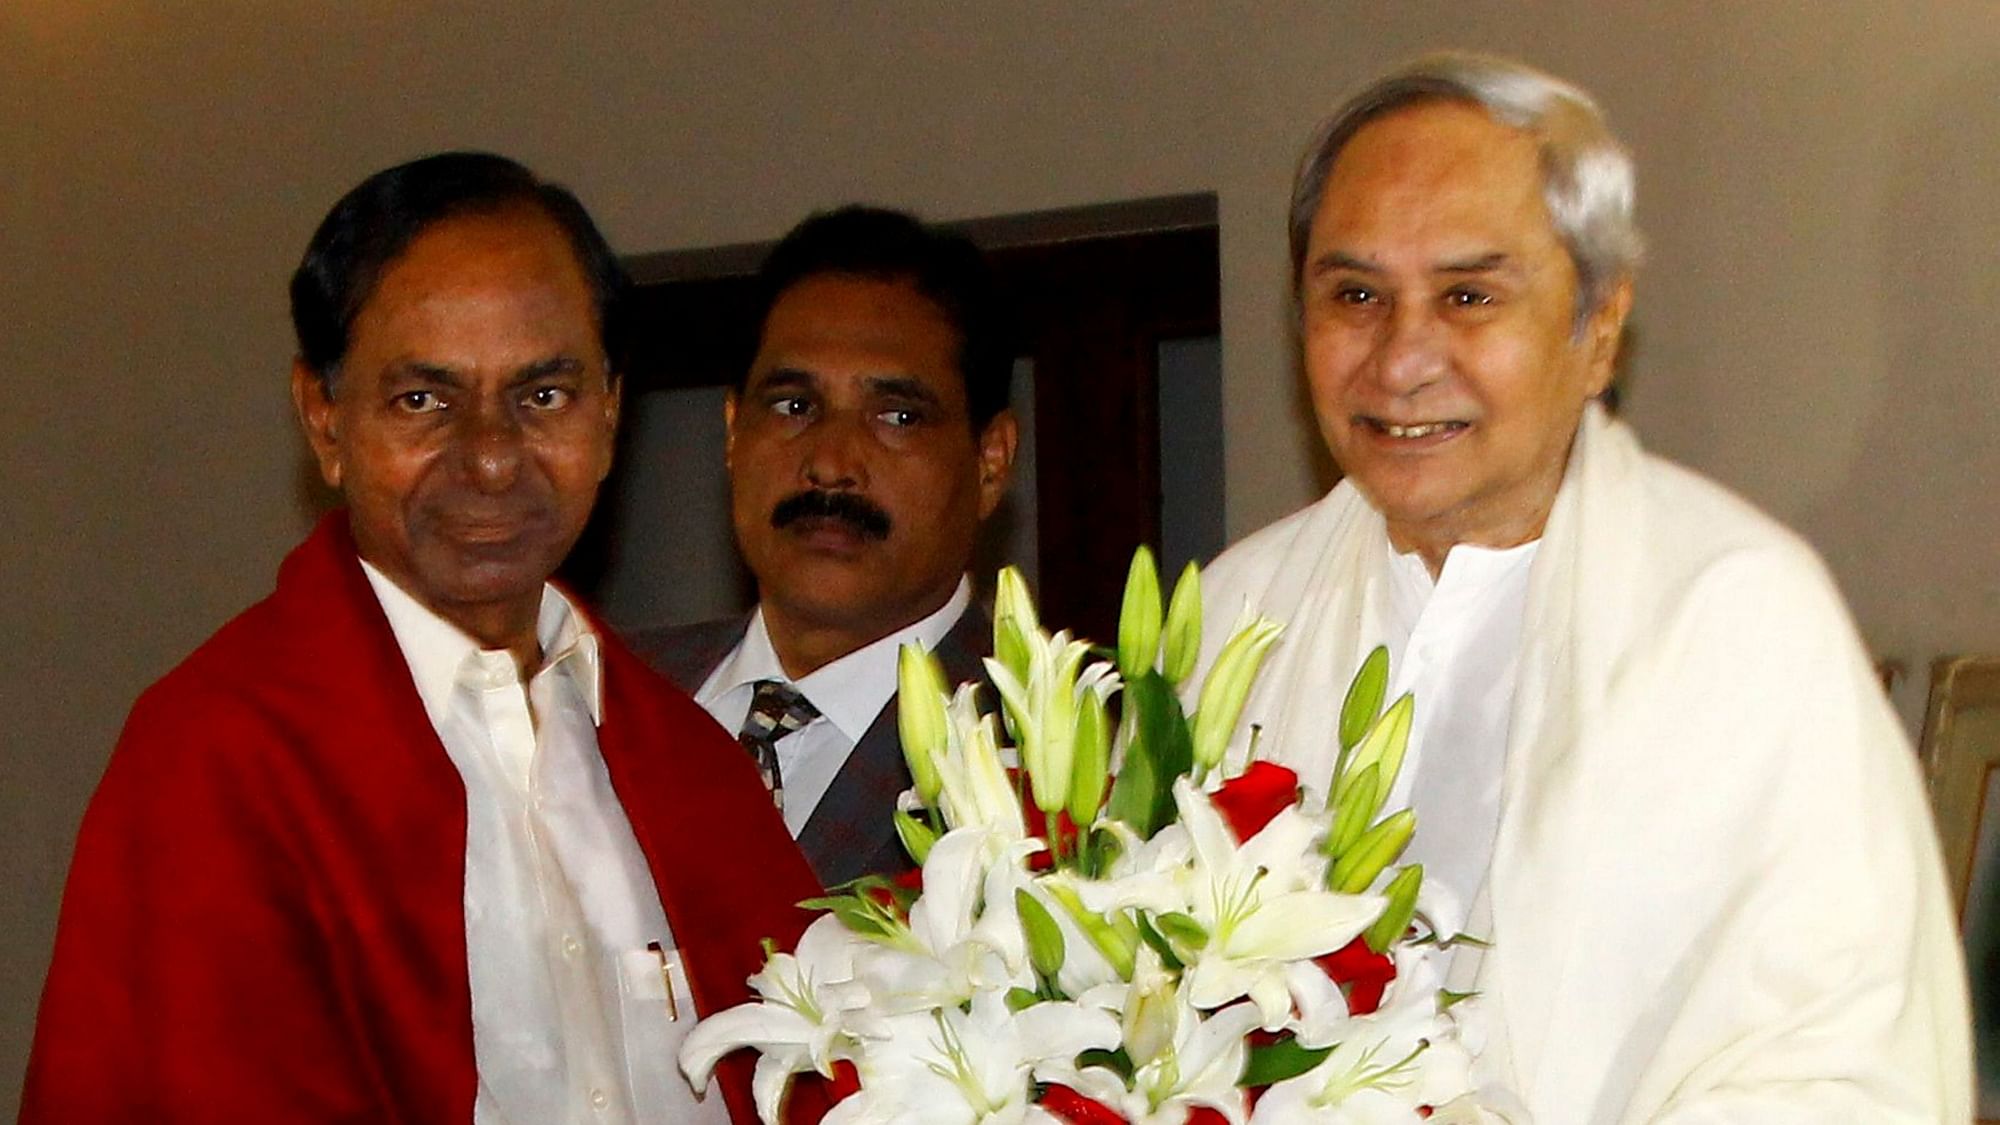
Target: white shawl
{"x": 1715, "y": 890}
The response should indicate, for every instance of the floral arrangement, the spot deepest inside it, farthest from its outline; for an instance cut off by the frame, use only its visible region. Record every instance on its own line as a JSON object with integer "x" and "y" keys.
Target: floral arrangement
{"x": 1109, "y": 925}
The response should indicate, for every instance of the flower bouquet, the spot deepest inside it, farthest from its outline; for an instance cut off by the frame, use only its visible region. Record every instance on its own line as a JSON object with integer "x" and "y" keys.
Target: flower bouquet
{"x": 1109, "y": 924}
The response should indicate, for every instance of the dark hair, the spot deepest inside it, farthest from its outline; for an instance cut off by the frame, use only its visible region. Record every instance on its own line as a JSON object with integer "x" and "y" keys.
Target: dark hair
{"x": 945, "y": 267}
{"x": 374, "y": 223}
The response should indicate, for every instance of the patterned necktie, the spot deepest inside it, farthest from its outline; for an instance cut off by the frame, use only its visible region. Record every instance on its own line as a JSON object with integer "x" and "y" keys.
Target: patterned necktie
{"x": 776, "y": 710}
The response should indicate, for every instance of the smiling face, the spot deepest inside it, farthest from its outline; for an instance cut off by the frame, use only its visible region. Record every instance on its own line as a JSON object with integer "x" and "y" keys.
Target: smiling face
{"x": 857, "y": 483}
{"x": 1437, "y": 307}
{"x": 471, "y": 421}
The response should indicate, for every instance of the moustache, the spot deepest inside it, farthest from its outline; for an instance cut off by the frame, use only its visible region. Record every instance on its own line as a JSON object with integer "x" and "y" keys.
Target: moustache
{"x": 855, "y": 511}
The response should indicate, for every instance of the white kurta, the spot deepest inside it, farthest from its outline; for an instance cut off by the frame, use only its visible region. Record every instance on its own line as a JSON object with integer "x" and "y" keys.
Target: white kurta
{"x": 1715, "y": 891}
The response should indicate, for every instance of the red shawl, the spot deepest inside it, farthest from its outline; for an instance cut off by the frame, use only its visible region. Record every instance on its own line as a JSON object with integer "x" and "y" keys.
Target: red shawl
{"x": 265, "y": 917}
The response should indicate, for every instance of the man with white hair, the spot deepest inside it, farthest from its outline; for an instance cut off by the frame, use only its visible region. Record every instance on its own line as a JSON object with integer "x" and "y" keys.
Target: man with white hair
{"x": 1649, "y": 749}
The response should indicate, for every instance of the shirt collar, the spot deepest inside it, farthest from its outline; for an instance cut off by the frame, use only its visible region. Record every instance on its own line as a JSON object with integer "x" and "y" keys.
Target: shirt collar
{"x": 1469, "y": 573}
{"x": 441, "y": 656}
{"x": 851, "y": 690}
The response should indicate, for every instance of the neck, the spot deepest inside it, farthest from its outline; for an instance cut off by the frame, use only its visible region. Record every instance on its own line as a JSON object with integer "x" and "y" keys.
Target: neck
{"x": 509, "y": 627}
{"x": 804, "y": 644}
{"x": 1433, "y": 544}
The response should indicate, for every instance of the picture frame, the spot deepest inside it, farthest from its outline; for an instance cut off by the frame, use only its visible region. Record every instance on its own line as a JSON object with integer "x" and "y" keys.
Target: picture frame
{"x": 1961, "y": 754}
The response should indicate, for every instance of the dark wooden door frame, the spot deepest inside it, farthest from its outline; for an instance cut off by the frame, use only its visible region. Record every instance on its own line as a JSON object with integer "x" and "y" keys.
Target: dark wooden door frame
{"x": 1094, "y": 291}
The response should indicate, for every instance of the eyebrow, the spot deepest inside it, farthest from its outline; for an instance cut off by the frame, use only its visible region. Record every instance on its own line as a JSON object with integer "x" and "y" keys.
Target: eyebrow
{"x": 431, "y": 373}
{"x": 902, "y": 386}
{"x": 1485, "y": 263}
{"x": 1338, "y": 260}
{"x": 781, "y": 378}
{"x": 543, "y": 368}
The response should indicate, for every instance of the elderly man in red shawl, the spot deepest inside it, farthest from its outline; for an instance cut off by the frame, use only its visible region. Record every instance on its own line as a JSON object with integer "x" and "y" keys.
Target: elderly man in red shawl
{"x": 413, "y": 839}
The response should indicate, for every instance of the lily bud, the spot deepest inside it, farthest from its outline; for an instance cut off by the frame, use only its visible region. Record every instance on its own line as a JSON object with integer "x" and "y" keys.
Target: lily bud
{"x": 920, "y": 717}
{"x": 1118, "y": 943}
{"x": 1364, "y": 698}
{"x": 1378, "y": 847}
{"x": 1152, "y": 1012}
{"x": 1352, "y": 811}
{"x": 1139, "y": 617}
{"x": 1383, "y": 747}
{"x": 1183, "y": 637}
{"x": 1045, "y": 939}
{"x": 917, "y": 837}
{"x": 1090, "y": 770}
{"x": 1402, "y": 895}
{"x": 1228, "y": 688}
{"x": 1014, "y": 620}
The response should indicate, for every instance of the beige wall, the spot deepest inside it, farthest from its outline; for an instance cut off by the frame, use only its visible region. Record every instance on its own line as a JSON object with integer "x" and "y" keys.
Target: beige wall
{"x": 1817, "y": 324}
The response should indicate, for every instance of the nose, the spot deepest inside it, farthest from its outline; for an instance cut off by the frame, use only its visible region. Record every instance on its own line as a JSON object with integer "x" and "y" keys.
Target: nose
{"x": 490, "y": 442}
{"x": 833, "y": 458}
{"x": 1412, "y": 352}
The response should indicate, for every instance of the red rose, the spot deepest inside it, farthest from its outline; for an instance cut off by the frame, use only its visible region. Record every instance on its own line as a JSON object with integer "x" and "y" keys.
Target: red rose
{"x": 1077, "y": 1109}
{"x": 1248, "y": 802}
{"x": 1362, "y": 974}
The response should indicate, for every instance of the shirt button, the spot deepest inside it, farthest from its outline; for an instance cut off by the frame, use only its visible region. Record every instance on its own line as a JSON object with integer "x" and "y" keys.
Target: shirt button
{"x": 599, "y": 1099}
{"x": 571, "y": 947}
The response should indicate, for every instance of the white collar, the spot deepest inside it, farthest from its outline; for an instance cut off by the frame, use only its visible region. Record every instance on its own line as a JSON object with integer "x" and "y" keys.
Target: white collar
{"x": 851, "y": 690}
{"x": 1468, "y": 573}
{"x": 441, "y": 656}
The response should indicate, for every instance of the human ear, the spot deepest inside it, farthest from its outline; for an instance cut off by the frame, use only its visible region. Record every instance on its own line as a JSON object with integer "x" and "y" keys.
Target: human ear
{"x": 997, "y": 444}
{"x": 316, "y": 411}
{"x": 1605, "y": 332}
{"x": 729, "y": 430}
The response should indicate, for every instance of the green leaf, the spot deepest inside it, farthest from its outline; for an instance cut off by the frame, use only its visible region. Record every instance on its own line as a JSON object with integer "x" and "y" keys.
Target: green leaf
{"x": 1364, "y": 699}
{"x": 1160, "y": 750}
{"x": 1278, "y": 1061}
{"x": 917, "y": 837}
{"x": 1019, "y": 998}
{"x": 1447, "y": 998}
{"x": 1115, "y": 1060}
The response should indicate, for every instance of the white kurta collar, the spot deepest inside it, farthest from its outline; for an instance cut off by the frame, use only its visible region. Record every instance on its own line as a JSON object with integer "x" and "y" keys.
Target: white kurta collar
{"x": 441, "y": 656}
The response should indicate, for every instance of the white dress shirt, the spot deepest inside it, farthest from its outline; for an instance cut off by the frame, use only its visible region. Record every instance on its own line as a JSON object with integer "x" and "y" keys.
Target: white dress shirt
{"x": 849, "y": 693}
{"x": 1456, "y": 643}
{"x": 572, "y": 1017}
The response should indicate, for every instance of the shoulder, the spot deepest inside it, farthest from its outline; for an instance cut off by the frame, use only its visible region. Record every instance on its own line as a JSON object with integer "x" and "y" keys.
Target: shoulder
{"x": 1269, "y": 567}
{"x": 1713, "y": 548}
{"x": 686, "y": 654}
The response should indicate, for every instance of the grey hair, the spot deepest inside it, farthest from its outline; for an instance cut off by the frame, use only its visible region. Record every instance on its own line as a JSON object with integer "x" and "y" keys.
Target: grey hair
{"x": 1587, "y": 178}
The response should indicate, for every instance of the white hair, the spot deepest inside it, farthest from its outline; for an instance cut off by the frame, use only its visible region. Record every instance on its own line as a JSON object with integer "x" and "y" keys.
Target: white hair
{"x": 1587, "y": 179}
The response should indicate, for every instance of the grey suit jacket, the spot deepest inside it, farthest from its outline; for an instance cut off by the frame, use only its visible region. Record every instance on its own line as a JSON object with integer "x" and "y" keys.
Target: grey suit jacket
{"x": 850, "y": 832}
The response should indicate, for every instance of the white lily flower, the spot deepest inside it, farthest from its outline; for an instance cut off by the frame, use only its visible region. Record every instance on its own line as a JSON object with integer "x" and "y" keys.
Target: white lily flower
{"x": 809, "y": 1007}
{"x": 1042, "y": 709}
{"x": 975, "y": 789}
{"x": 1261, "y": 903}
{"x": 1180, "y": 1059}
{"x": 952, "y": 1066}
{"x": 1385, "y": 1066}
{"x": 963, "y": 935}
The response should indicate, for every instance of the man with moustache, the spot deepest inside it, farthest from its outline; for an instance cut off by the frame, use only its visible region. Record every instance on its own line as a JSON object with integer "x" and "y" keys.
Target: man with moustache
{"x": 867, "y": 440}
{"x": 412, "y": 839}
{"x": 1648, "y": 745}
